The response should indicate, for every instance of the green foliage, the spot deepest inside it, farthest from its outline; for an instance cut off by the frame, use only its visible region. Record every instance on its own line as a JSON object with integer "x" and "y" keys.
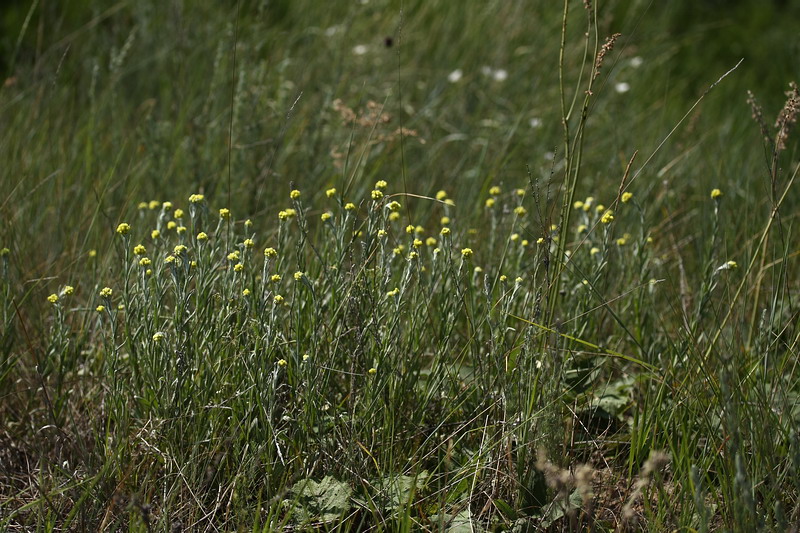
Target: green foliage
{"x": 441, "y": 267}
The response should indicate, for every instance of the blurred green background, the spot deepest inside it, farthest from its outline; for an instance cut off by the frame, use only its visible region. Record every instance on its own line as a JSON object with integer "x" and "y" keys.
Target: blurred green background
{"x": 106, "y": 104}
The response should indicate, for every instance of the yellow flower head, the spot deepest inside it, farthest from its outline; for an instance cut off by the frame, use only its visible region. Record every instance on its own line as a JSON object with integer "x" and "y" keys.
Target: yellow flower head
{"x": 600, "y": 208}
{"x": 430, "y": 241}
{"x": 445, "y": 231}
{"x": 124, "y": 228}
{"x": 294, "y": 195}
{"x": 68, "y": 290}
{"x": 494, "y": 191}
{"x": 607, "y": 217}
{"x": 299, "y": 275}
{"x": 503, "y": 278}
{"x": 166, "y": 206}
{"x": 158, "y": 336}
{"x": 376, "y": 194}
{"x": 225, "y": 213}
{"x": 715, "y": 193}
{"x": 155, "y": 234}
{"x": 196, "y": 198}
{"x": 540, "y": 240}
{"x": 154, "y": 204}
{"x": 145, "y": 261}
{"x": 92, "y": 253}
{"x": 325, "y": 217}
{"x": 419, "y": 230}
{"x": 577, "y": 205}
{"x": 490, "y": 202}
{"x": 382, "y": 233}
{"x": 180, "y": 230}
{"x": 626, "y": 197}
{"x": 233, "y": 256}
{"x": 179, "y": 249}
{"x": 594, "y": 250}
{"x": 410, "y": 229}
{"x": 441, "y": 195}
{"x": 53, "y": 298}
{"x": 275, "y": 278}
{"x": 349, "y": 206}
{"x": 248, "y": 243}
{"x": 172, "y": 224}
{"x": 101, "y": 308}
{"x": 466, "y": 253}
{"x": 202, "y": 236}
{"x": 238, "y": 267}
{"x": 372, "y": 371}
{"x": 394, "y": 216}
{"x": 514, "y": 237}
{"x": 248, "y": 223}
{"x": 142, "y": 205}
{"x": 394, "y": 206}
{"x": 278, "y": 299}
{"x": 520, "y": 192}
{"x": 178, "y": 213}
{"x": 520, "y": 211}
{"x": 282, "y": 362}
{"x": 139, "y": 249}
{"x": 270, "y": 252}
{"x": 330, "y": 193}
{"x": 417, "y": 243}
{"x": 169, "y": 259}
{"x": 106, "y": 292}
{"x": 380, "y": 184}
{"x": 444, "y": 221}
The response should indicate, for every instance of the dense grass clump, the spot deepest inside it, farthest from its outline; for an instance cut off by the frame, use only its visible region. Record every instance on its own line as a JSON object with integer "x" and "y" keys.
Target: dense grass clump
{"x": 366, "y": 266}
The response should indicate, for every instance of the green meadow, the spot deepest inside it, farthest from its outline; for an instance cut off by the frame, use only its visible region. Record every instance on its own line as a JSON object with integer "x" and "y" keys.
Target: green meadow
{"x": 399, "y": 265}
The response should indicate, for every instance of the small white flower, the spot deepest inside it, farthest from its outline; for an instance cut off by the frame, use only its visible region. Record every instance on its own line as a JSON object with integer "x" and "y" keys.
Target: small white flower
{"x": 622, "y": 87}
{"x": 500, "y": 75}
{"x": 455, "y": 76}
{"x": 549, "y": 156}
{"x": 636, "y": 62}
{"x": 330, "y": 32}
{"x": 535, "y": 122}
{"x": 486, "y": 71}
{"x": 360, "y": 49}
